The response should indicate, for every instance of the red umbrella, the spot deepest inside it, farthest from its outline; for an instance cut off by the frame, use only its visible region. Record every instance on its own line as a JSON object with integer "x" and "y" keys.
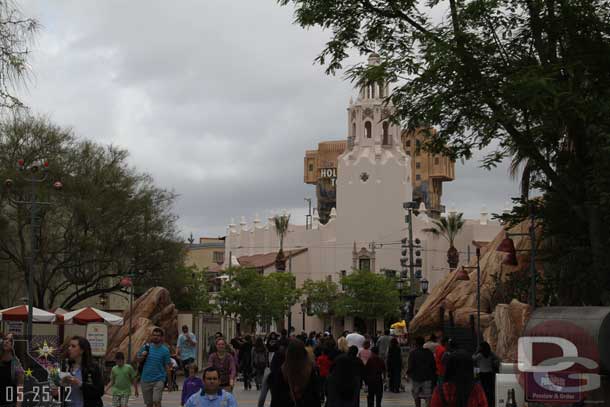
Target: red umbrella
{"x": 20, "y": 313}
{"x": 90, "y": 315}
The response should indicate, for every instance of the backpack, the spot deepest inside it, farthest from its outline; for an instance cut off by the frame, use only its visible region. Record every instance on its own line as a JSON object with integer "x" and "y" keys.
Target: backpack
{"x": 141, "y": 364}
{"x": 260, "y": 359}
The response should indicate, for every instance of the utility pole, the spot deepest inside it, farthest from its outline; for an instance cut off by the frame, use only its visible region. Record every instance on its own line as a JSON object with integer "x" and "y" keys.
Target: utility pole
{"x": 308, "y": 222}
{"x": 410, "y": 244}
{"x": 478, "y": 296}
{"x": 411, "y": 264}
{"x": 290, "y": 308}
{"x": 37, "y": 175}
{"x": 533, "y": 257}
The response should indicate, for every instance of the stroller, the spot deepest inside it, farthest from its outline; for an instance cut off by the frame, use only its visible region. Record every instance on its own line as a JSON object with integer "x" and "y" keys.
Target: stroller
{"x": 171, "y": 383}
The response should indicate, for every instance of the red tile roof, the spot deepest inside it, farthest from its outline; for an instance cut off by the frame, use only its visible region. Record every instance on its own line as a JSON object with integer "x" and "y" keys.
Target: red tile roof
{"x": 215, "y": 268}
{"x": 267, "y": 259}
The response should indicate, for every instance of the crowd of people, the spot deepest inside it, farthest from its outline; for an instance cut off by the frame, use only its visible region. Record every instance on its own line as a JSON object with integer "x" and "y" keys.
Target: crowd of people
{"x": 317, "y": 369}
{"x": 312, "y": 370}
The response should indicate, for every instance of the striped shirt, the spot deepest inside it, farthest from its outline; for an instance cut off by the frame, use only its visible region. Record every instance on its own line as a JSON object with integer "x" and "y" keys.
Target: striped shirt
{"x": 156, "y": 363}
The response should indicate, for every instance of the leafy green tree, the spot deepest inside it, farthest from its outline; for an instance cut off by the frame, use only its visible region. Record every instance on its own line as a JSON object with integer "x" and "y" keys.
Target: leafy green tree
{"x": 321, "y": 297}
{"x": 368, "y": 295}
{"x": 243, "y": 295}
{"x": 108, "y": 220}
{"x": 188, "y": 287}
{"x": 530, "y": 79}
{"x": 448, "y": 228}
{"x": 281, "y": 291}
{"x": 256, "y": 298}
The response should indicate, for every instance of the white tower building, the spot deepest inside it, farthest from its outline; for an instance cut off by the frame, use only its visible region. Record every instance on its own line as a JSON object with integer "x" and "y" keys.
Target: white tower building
{"x": 373, "y": 180}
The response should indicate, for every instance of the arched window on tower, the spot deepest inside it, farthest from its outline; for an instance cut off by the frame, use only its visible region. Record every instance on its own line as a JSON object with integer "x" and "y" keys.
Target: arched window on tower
{"x": 367, "y": 129}
{"x": 353, "y": 130}
{"x": 373, "y": 89}
{"x": 386, "y": 135}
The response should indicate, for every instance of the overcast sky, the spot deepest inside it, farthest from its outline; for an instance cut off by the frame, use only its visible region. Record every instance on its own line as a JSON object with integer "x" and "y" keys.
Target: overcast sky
{"x": 217, "y": 99}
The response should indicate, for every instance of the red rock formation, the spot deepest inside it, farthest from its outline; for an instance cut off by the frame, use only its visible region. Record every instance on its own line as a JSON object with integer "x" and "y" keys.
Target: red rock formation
{"x": 153, "y": 308}
{"x": 506, "y": 325}
{"x": 500, "y": 323}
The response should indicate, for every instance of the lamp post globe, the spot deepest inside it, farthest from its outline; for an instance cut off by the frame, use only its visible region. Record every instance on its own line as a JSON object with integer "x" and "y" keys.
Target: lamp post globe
{"x": 424, "y": 285}
{"x": 125, "y": 282}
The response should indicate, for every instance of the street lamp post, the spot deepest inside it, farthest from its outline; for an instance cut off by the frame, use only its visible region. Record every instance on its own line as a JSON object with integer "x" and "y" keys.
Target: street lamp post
{"x": 508, "y": 246}
{"x": 36, "y": 176}
{"x": 127, "y": 281}
{"x": 463, "y": 276}
{"x": 409, "y": 244}
{"x": 303, "y": 311}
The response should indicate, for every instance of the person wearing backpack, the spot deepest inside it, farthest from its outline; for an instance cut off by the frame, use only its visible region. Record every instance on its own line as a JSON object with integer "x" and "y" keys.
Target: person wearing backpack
{"x": 155, "y": 360}
{"x": 260, "y": 361}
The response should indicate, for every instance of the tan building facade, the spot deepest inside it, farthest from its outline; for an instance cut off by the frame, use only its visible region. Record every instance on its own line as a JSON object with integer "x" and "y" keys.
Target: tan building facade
{"x": 429, "y": 172}
{"x": 207, "y": 253}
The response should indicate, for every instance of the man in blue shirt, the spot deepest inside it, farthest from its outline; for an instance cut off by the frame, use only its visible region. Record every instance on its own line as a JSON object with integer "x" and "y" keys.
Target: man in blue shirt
{"x": 187, "y": 348}
{"x": 156, "y": 370}
{"x": 212, "y": 395}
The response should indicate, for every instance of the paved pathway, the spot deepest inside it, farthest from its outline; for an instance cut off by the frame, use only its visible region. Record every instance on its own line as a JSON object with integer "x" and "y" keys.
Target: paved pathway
{"x": 250, "y": 399}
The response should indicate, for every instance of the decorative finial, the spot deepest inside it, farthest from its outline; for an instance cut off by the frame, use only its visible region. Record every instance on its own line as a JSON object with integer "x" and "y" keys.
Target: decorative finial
{"x": 374, "y": 59}
{"x": 484, "y": 215}
{"x": 452, "y": 209}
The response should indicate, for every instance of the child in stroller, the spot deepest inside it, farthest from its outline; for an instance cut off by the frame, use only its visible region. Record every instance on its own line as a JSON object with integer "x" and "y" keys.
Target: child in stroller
{"x": 171, "y": 383}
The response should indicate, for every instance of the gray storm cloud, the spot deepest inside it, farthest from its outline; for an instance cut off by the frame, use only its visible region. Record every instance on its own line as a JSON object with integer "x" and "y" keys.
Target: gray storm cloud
{"x": 218, "y": 100}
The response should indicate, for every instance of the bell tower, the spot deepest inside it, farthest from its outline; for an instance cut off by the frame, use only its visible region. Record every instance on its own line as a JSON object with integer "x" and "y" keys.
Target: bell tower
{"x": 368, "y": 117}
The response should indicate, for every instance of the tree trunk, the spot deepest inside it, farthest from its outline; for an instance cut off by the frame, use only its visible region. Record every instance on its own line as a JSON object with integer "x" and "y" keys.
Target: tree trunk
{"x": 280, "y": 261}
{"x": 453, "y": 258}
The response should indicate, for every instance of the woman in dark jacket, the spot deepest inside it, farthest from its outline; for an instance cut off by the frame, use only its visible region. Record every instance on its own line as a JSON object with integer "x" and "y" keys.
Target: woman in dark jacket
{"x": 245, "y": 362}
{"x": 85, "y": 380}
{"x": 342, "y": 385}
{"x": 394, "y": 365}
{"x": 260, "y": 361}
{"x": 358, "y": 369}
{"x": 296, "y": 383}
{"x": 488, "y": 364}
{"x": 11, "y": 372}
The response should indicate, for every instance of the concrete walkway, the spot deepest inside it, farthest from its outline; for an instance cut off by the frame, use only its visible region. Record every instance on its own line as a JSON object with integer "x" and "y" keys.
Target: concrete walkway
{"x": 250, "y": 398}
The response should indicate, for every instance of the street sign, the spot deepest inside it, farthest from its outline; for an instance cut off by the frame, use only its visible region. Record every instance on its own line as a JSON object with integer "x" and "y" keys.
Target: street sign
{"x": 97, "y": 335}
{"x": 14, "y": 327}
{"x": 552, "y": 387}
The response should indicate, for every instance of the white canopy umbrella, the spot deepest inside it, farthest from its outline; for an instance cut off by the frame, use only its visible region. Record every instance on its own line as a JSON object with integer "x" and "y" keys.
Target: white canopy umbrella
{"x": 20, "y": 313}
{"x": 90, "y": 315}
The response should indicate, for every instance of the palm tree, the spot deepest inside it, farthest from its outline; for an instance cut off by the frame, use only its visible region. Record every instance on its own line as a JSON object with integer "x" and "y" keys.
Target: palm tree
{"x": 521, "y": 164}
{"x": 448, "y": 228}
{"x": 281, "y": 228}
